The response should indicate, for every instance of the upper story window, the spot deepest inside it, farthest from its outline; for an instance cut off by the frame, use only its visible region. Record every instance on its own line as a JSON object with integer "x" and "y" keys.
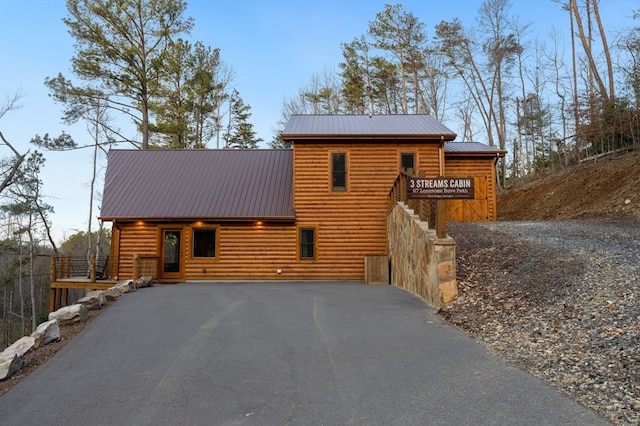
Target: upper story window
{"x": 408, "y": 162}
{"x": 339, "y": 172}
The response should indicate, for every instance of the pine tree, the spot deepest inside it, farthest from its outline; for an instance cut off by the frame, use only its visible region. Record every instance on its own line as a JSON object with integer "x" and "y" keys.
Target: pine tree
{"x": 240, "y": 133}
{"x": 121, "y": 49}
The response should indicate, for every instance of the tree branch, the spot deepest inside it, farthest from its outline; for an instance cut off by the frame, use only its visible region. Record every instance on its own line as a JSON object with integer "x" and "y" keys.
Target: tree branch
{"x": 9, "y": 178}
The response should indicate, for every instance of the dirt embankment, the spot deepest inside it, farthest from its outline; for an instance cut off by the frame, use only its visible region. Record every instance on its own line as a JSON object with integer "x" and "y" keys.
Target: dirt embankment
{"x": 608, "y": 188}
{"x": 564, "y": 308}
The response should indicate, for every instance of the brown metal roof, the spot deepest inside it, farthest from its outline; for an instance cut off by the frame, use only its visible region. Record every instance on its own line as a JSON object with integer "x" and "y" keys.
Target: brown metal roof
{"x": 472, "y": 149}
{"x": 198, "y": 185}
{"x": 318, "y": 126}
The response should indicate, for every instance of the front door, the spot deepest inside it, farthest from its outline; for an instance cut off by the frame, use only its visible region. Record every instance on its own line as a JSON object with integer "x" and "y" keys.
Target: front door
{"x": 172, "y": 265}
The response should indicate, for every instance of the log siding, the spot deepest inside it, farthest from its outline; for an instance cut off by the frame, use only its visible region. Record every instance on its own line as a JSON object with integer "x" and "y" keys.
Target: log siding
{"x": 257, "y": 234}
{"x": 351, "y": 224}
{"x": 483, "y": 207}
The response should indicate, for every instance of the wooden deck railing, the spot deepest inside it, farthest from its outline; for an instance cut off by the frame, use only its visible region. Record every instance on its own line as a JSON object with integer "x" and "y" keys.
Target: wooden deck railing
{"x": 425, "y": 209}
{"x": 73, "y": 273}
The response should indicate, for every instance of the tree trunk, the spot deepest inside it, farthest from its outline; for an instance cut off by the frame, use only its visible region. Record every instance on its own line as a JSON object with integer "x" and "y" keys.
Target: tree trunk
{"x": 586, "y": 44}
{"x": 605, "y": 49}
{"x": 21, "y": 293}
{"x": 32, "y": 284}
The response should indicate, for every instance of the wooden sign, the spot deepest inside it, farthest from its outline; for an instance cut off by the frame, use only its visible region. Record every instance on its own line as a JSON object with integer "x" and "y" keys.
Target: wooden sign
{"x": 440, "y": 188}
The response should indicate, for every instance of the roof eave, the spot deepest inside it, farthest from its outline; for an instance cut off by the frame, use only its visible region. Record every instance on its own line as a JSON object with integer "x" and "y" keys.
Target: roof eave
{"x": 497, "y": 154}
{"x": 317, "y": 137}
{"x": 284, "y": 218}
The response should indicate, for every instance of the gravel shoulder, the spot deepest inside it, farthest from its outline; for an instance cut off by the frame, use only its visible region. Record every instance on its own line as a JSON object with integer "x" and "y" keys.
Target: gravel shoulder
{"x": 559, "y": 299}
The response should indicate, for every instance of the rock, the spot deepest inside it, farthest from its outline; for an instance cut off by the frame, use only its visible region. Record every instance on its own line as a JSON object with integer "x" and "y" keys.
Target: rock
{"x": 9, "y": 365}
{"x": 22, "y": 348}
{"x": 126, "y": 286}
{"x": 94, "y": 300}
{"x": 47, "y": 332}
{"x": 70, "y": 314}
{"x": 145, "y": 281}
{"x": 112, "y": 293}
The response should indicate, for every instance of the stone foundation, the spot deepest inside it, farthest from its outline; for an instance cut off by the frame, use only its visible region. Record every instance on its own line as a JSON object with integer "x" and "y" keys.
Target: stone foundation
{"x": 421, "y": 263}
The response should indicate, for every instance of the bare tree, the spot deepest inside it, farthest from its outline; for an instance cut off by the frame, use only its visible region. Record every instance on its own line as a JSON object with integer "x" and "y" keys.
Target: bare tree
{"x": 605, "y": 49}
{"x": 9, "y": 167}
{"x": 502, "y": 48}
{"x": 586, "y": 46}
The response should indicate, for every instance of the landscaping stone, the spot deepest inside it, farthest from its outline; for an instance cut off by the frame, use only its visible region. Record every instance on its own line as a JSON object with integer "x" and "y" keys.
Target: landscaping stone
{"x": 22, "y": 348}
{"x": 70, "y": 314}
{"x": 126, "y": 286}
{"x": 47, "y": 332}
{"x": 9, "y": 365}
{"x": 142, "y": 282}
{"x": 94, "y": 300}
{"x": 112, "y": 293}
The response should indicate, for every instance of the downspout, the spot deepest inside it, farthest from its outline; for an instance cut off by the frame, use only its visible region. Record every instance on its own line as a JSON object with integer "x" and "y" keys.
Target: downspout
{"x": 115, "y": 250}
{"x": 441, "y": 156}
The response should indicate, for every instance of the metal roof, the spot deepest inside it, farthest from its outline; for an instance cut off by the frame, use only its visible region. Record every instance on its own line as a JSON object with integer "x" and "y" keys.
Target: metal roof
{"x": 320, "y": 126}
{"x": 198, "y": 185}
{"x": 475, "y": 149}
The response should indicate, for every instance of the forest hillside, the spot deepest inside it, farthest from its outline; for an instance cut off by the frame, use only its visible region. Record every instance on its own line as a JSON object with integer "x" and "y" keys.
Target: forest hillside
{"x": 604, "y": 188}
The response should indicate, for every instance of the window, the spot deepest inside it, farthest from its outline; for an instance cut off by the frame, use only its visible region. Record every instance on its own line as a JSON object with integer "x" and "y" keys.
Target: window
{"x": 339, "y": 172}
{"x": 407, "y": 162}
{"x": 307, "y": 243}
{"x": 204, "y": 242}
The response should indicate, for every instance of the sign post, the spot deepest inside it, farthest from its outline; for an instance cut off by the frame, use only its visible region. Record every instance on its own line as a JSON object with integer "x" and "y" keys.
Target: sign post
{"x": 441, "y": 189}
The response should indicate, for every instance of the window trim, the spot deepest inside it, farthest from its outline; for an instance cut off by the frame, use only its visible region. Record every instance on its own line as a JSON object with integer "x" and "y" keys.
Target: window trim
{"x": 334, "y": 188}
{"x": 415, "y": 158}
{"x": 216, "y": 255}
{"x": 301, "y": 228}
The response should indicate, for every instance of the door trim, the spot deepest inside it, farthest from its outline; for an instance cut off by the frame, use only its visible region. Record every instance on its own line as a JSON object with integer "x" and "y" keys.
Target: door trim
{"x": 179, "y": 275}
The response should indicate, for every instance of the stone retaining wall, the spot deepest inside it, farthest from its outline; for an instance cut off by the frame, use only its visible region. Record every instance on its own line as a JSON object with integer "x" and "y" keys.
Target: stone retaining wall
{"x": 421, "y": 263}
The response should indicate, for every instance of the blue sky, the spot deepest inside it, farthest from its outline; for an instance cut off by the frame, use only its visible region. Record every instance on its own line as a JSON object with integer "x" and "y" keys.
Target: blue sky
{"x": 274, "y": 48}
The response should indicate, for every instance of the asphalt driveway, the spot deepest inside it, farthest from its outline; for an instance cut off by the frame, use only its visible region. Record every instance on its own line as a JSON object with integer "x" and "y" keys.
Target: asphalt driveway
{"x": 280, "y": 354}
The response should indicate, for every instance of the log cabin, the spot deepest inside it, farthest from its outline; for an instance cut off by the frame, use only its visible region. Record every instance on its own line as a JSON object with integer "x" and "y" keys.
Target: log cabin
{"x": 313, "y": 212}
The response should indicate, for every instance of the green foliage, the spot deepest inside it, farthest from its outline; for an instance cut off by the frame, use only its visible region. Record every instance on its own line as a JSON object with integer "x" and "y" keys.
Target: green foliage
{"x": 121, "y": 47}
{"x": 278, "y": 143}
{"x": 58, "y": 143}
{"x": 356, "y": 76}
{"x": 24, "y": 197}
{"x": 240, "y": 133}
{"x": 189, "y": 96}
{"x": 385, "y": 74}
{"x": 76, "y": 245}
{"x": 614, "y": 125}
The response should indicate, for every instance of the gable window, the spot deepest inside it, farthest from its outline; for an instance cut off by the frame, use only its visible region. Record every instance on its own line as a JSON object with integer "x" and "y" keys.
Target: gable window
{"x": 307, "y": 242}
{"x": 204, "y": 242}
{"x": 408, "y": 162}
{"x": 339, "y": 172}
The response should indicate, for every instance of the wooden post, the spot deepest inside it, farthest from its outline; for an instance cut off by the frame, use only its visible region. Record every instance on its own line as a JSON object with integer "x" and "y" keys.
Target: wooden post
{"x": 441, "y": 218}
{"x": 52, "y": 298}
{"x": 52, "y": 278}
{"x": 67, "y": 273}
{"x": 52, "y": 269}
{"x": 136, "y": 266}
{"x": 92, "y": 268}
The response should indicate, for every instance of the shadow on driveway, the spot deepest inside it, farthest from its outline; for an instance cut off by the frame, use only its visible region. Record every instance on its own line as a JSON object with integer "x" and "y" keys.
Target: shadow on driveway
{"x": 280, "y": 354}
